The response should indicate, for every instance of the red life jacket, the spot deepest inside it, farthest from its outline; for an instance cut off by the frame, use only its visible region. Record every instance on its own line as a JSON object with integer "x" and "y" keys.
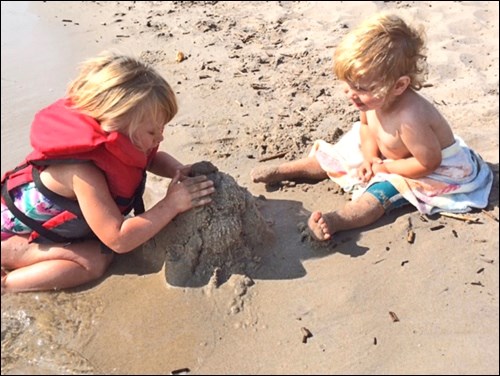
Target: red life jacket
{"x": 60, "y": 134}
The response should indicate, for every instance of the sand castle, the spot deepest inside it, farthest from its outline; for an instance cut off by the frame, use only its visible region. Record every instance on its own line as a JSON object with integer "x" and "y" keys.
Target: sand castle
{"x": 209, "y": 243}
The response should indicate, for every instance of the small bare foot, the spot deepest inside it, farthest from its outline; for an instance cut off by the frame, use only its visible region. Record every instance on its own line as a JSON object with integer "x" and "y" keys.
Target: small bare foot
{"x": 319, "y": 227}
{"x": 266, "y": 174}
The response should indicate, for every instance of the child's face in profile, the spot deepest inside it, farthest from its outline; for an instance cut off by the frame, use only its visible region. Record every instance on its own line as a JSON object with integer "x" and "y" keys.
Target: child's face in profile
{"x": 362, "y": 95}
{"x": 149, "y": 135}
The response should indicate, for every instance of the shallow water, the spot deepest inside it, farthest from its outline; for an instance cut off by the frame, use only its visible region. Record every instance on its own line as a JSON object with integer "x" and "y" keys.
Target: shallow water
{"x": 94, "y": 331}
{"x": 40, "y": 332}
{"x": 39, "y": 58}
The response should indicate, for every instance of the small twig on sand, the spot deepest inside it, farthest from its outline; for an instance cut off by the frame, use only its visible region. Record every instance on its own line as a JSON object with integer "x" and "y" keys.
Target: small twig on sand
{"x": 394, "y": 317}
{"x": 303, "y": 115}
{"x": 410, "y": 236}
{"x": 489, "y": 215}
{"x": 274, "y": 156}
{"x": 306, "y": 333}
{"x": 462, "y": 217}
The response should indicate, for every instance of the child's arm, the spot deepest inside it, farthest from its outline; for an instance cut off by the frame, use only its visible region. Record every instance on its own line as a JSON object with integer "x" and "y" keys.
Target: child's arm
{"x": 165, "y": 165}
{"x": 425, "y": 152}
{"x": 369, "y": 148}
{"x": 125, "y": 234}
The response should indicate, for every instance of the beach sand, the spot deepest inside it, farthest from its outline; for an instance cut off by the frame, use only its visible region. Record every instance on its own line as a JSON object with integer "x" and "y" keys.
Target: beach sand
{"x": 257, "y": 82}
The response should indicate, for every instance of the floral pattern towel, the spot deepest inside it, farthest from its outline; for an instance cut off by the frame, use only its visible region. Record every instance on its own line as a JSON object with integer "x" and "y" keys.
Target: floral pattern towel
{"x": 463, "y": 180}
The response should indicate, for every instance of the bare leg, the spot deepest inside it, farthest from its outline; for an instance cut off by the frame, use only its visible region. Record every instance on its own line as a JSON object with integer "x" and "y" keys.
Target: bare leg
{"x": 305, "y": 168}
{"x": 362, "y": 212}
{"x": 36, "y": 267}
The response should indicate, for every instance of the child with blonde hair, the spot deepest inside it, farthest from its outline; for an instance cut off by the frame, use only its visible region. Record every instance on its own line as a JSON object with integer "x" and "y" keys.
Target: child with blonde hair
{"x": 402, "y": 151}
{"x": 65, "y": 208}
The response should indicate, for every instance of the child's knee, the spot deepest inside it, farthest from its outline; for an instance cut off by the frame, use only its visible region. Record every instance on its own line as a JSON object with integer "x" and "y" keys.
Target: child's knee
{"x": 98, "y": 265}
{"x": 387, "y": 195}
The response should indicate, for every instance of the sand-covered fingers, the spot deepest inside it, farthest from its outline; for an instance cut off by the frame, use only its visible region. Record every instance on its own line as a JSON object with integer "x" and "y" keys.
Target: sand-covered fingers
{"x": 199, "y": 185}
{"x": 189, "y": 193}
{"x": 200, "y": 188}
{"x": 201, "y": 201}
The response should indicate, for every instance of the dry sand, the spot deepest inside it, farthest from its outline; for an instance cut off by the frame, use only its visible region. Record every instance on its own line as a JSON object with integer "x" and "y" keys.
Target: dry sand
{"x": 257, "y": 82}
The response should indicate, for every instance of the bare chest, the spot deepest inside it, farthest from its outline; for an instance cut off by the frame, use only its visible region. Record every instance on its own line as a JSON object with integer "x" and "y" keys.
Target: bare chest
{"x": 388, "y": 138}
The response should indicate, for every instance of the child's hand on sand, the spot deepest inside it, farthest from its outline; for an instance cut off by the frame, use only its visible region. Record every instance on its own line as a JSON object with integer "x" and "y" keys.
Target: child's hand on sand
{"x": 190, "y": 192}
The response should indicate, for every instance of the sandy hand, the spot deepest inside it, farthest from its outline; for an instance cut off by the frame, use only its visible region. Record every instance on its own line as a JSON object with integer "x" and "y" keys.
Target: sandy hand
{"x": 190, "y": 192}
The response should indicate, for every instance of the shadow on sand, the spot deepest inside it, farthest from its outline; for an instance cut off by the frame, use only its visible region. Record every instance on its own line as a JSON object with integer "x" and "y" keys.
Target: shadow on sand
{"x": 280, "y": 259}
{"x": 283, "y": 258}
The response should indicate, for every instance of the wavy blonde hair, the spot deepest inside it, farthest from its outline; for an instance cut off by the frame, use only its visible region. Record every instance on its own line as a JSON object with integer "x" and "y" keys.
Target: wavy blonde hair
{"x": 120, "y": 92}
{"x": 381, "y": 50}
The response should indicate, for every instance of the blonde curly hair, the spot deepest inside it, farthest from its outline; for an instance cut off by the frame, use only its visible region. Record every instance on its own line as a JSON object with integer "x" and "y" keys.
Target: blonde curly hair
{"x": 381, "y": 50}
